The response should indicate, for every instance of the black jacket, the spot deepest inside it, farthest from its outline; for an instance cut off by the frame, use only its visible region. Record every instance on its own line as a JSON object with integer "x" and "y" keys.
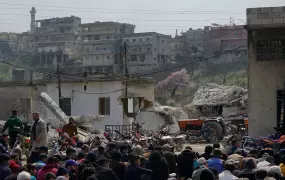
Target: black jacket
{"x": 134, "y": 172}
{"x": 103, "y": 173}
{"x": 118, "y": 168}
{"x": 171, "y": 159}
{"x": 159, "y": 167}
{"x": 247, "y": 173}
{"x": 185, "y": 162}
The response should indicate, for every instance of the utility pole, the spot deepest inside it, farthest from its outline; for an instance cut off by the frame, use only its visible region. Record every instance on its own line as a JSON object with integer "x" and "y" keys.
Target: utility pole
{"x": 126, "y": 69}
{"x": 59, "y": 81}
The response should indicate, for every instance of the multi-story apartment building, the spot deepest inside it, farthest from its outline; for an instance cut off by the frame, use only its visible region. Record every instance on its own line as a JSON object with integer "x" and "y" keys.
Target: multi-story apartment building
{"x": 228, "y": 38}
{"x": 56, "y": 39}
{"x": 100, "y": 44}
{"x": 147, "y": 51}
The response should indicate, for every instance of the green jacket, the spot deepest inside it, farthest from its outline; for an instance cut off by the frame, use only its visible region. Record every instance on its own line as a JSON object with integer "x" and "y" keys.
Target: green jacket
{"x": 13, "y": 124}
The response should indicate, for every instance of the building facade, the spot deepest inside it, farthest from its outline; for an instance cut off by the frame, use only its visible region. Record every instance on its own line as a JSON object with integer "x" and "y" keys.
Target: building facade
{"x": 266, "y": 75}
{"x": 147, "y": 52}
{"x": 56, "y": 39}
{"x": 100, "y": 44}
{"x": 80, "y": 97}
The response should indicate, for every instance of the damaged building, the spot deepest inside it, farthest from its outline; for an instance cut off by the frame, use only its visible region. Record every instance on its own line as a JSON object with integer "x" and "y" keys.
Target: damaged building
{"x": 97, "y": 96}
{"x": 217, "y": 100}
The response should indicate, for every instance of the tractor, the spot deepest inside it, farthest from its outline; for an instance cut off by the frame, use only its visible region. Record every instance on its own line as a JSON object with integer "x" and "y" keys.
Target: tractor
{"x": 211, "y": 130}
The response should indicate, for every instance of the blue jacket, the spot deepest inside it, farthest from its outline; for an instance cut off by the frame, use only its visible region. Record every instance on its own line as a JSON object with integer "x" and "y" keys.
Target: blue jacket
{"x": 4, "y": 171}
{"x": 216, "y": 163}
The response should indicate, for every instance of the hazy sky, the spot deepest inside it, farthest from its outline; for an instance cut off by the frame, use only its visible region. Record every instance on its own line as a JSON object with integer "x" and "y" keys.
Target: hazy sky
{"x": 164, "y": 16}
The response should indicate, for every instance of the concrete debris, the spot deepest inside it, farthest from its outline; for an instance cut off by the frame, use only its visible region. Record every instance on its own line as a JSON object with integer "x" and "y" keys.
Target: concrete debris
{"x": 214, "y": 94}
{"x": 157, "y": 115}
{"x": 192, "y": 111}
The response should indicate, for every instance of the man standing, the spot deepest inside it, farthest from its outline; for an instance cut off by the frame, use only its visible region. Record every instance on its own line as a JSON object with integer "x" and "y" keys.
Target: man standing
{"x": 70, "y": 128}
{"x": 38, "y": 132}
{"x": 15, "y": 126}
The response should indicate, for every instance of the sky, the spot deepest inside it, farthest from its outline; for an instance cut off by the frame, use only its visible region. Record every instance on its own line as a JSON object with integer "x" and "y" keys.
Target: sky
{"x": 162, "y": 16}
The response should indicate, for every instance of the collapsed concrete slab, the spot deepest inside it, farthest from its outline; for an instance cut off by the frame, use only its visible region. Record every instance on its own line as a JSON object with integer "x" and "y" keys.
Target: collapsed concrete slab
{"x": 161, "y": 115}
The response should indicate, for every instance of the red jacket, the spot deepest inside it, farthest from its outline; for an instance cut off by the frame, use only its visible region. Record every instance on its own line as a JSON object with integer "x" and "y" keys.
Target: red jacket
{"x": 46, "y": 169}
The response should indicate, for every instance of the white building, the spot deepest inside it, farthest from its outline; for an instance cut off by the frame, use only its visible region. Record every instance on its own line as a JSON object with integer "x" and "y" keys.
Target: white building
{"x": 80, "y": 97}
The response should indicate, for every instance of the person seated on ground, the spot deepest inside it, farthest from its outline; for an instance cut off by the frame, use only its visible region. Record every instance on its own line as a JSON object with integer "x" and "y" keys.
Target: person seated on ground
{"x": 207, "y": 152}
{"x": 117, "y": 166}
{"x": 32, "y": 170}
{"x": 261, "y": 174}
{"x": 4, "y": 166}
{"x": 133, "y": 171}
{"x": 216, "y": 160}
{"x": 41, "y": 162}
{"x": 218, "y": 146}
{"x": 250, "y": 169}
{"x": 228, "y": 172}
{"x": 70, "y": 128}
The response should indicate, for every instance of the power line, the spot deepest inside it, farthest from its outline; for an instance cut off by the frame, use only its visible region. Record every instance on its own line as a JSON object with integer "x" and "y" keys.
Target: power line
{"x": 193, "y": 62}
{"x": 132, "y": 10}
{"x": 34, "y": 70}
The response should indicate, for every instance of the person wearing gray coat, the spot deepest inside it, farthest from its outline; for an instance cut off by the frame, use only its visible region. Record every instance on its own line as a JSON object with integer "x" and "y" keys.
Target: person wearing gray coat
{"x": 38, "y": 132}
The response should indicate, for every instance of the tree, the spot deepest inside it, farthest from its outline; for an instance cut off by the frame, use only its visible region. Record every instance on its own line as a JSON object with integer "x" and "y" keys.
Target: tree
{"x": 174, "y": 81}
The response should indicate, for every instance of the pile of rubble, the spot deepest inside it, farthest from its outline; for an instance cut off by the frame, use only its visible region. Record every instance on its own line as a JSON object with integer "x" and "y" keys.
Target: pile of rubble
{"x": 214, "y": 94}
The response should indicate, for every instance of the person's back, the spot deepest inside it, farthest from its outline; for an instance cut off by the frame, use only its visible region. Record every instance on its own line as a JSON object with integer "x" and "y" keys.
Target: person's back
{"x": 5, "y": 171}
{"x": 159, "y": 166}
{"x": 133, "y": 171}
{"x": 216, "y": 163}
{"x": 185, "y": 163}
{"x": 171, "y": 159}
{"x": 70, "y": 128}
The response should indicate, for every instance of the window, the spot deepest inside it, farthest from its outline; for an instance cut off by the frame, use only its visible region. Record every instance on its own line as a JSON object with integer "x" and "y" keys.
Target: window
{"x": 140, "y": 49}
{"x": 116, "y": 29}
{"x": 162, "y": 49}
{"x": 162, "y": 41}
{"x": 93, "y": 45}
{"x": 141, "y": 40}
{"x": 134, "y": 40}
{"x": 108, "y": 57}
{"x": 97, "y": 57}
{"x": 148, "y": 39}
{"x": 104, "y": 106}
{"x": 105, "y": 49}
{"x": 154, "y": 49}
{"x": 127, "y": 40}
{"x": 65, "y": 105}
{"x": 87, "y": 49}
{"x": 108, "y": 37}
{"x": 148, "y": 49}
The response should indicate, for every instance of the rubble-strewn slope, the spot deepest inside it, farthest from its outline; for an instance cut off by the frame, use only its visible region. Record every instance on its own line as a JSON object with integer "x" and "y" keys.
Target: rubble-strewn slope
{"x": 214, "y": 94}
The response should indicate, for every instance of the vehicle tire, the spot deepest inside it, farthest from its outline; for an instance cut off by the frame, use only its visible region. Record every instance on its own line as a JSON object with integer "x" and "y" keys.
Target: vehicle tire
{"x": 216, "y": 127}
{"x": 179, "y": 145}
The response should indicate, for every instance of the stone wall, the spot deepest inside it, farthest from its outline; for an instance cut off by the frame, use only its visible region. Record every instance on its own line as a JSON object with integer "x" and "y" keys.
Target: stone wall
{"x": 266, "y": 16}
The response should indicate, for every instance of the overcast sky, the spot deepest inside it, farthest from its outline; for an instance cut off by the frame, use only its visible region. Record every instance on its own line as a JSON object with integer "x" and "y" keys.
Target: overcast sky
{"x": 163, "y": 16}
